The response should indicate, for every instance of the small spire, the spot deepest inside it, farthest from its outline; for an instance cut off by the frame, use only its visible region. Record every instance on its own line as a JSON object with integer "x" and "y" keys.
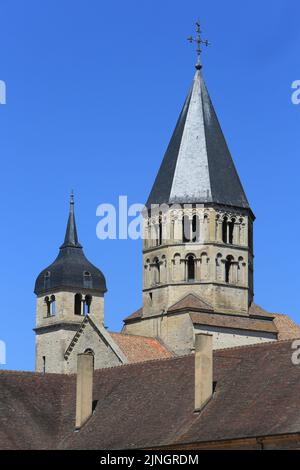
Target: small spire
{"x": 198, "y": 41}
{"x": 71, "y": 238}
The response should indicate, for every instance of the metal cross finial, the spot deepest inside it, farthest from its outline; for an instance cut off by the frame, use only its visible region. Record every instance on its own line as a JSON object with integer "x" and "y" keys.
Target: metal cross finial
{"x": 199, "y": 41}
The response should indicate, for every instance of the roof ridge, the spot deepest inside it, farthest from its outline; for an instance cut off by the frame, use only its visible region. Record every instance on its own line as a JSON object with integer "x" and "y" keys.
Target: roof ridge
{"x": 33, "y": 372}
{"x": 140, "y": 363}
{"x": 265, "y": 343}
{"x": 136, "y": 336}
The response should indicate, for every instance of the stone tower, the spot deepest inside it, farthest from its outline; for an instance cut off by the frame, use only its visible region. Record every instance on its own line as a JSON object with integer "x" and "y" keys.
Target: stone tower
{"x": 197, "y": 248}
{"x": 198, "y": 223}
{"x": 67, "y": 290}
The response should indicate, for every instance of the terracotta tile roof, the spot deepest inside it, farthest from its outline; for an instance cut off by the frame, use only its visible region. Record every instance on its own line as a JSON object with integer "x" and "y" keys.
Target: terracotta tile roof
{"x": 150, "y": 404}
{"x": 287, "y": 328}
{"x": 140, "y": 348}
{"x": 191, "y": 302}
{"x": 233, "y": 321}
{"x": 257, "y": 310}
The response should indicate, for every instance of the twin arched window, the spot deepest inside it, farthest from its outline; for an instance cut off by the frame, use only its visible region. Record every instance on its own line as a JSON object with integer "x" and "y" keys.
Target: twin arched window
{"x": 190, "y": 228}
{"x": 227, "y": 230}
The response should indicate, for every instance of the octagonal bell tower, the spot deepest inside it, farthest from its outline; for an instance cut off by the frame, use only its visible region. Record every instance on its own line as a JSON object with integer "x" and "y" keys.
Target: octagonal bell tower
{"x": 198, "y": 224}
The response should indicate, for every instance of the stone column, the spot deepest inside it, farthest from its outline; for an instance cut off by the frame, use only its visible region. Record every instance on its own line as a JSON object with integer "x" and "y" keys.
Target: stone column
{"x": 212, "y": 226}
{"x": 219, "y": 230}
{"x": 178, "y": 229}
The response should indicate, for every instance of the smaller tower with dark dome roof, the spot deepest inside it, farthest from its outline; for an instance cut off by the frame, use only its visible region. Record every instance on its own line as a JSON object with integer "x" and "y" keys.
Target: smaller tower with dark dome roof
{"x": 67, "y": 291}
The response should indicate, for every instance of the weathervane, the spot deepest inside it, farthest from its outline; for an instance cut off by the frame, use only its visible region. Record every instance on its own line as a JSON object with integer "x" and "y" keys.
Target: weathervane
{"x": 199, "y": 41}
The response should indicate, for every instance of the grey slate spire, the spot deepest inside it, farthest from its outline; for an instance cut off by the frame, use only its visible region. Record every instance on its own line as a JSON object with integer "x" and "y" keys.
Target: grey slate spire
{"x": 71, "y": 237}
{"x": 197, "y": 166}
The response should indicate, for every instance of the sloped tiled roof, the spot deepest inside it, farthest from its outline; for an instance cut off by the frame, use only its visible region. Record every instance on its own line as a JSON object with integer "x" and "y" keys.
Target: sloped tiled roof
{"x": 151, "y": 404}
{"x": 233, "y": 321}
{"x": 140, "y": 348}
{"x": 287, "y": 328}
{"x": 258, "y": 311}
{"x": 190, "y": 302}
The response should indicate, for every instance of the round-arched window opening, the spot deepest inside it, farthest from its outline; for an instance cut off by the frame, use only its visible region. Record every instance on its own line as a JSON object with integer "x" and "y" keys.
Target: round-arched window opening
{"x": 228, "y": 266}
{"x": 53, "y": 305}
{"x": 190, "y": 268}
{"x": 77, "y": 304}
{"x": 224, "y": 230}
{"x": 89, "y": 351}
{"x": 87, "y": 304}
{"x": 48, "y": 306}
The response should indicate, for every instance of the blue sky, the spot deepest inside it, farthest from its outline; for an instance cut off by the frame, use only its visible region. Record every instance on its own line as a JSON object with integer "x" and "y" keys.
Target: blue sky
{"x": 94, "y": 90}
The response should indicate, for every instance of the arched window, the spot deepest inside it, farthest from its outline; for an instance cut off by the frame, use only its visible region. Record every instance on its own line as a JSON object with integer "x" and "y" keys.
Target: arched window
{"x": 160, "y": 230}
{"x": 231, "y": 231}
{"x": 228, "y": 266}
{"x": 53, "y": 306}
{"x": 241, "y": 270}
{"x": 48, "y": 306}
{"x": 228, "y": 230}
{"x": 87, "y": 304}
{"x": 87, "y": 280}
{"x": 195, "y": 228}
{"x": 224, "y": 229}
{"x": 89, "y": 351}
{"x": 206, "y": 227}
{"x": 190, "y": 268}
{"x": 186, "y": 229}
{"x": 78, "y": 304}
